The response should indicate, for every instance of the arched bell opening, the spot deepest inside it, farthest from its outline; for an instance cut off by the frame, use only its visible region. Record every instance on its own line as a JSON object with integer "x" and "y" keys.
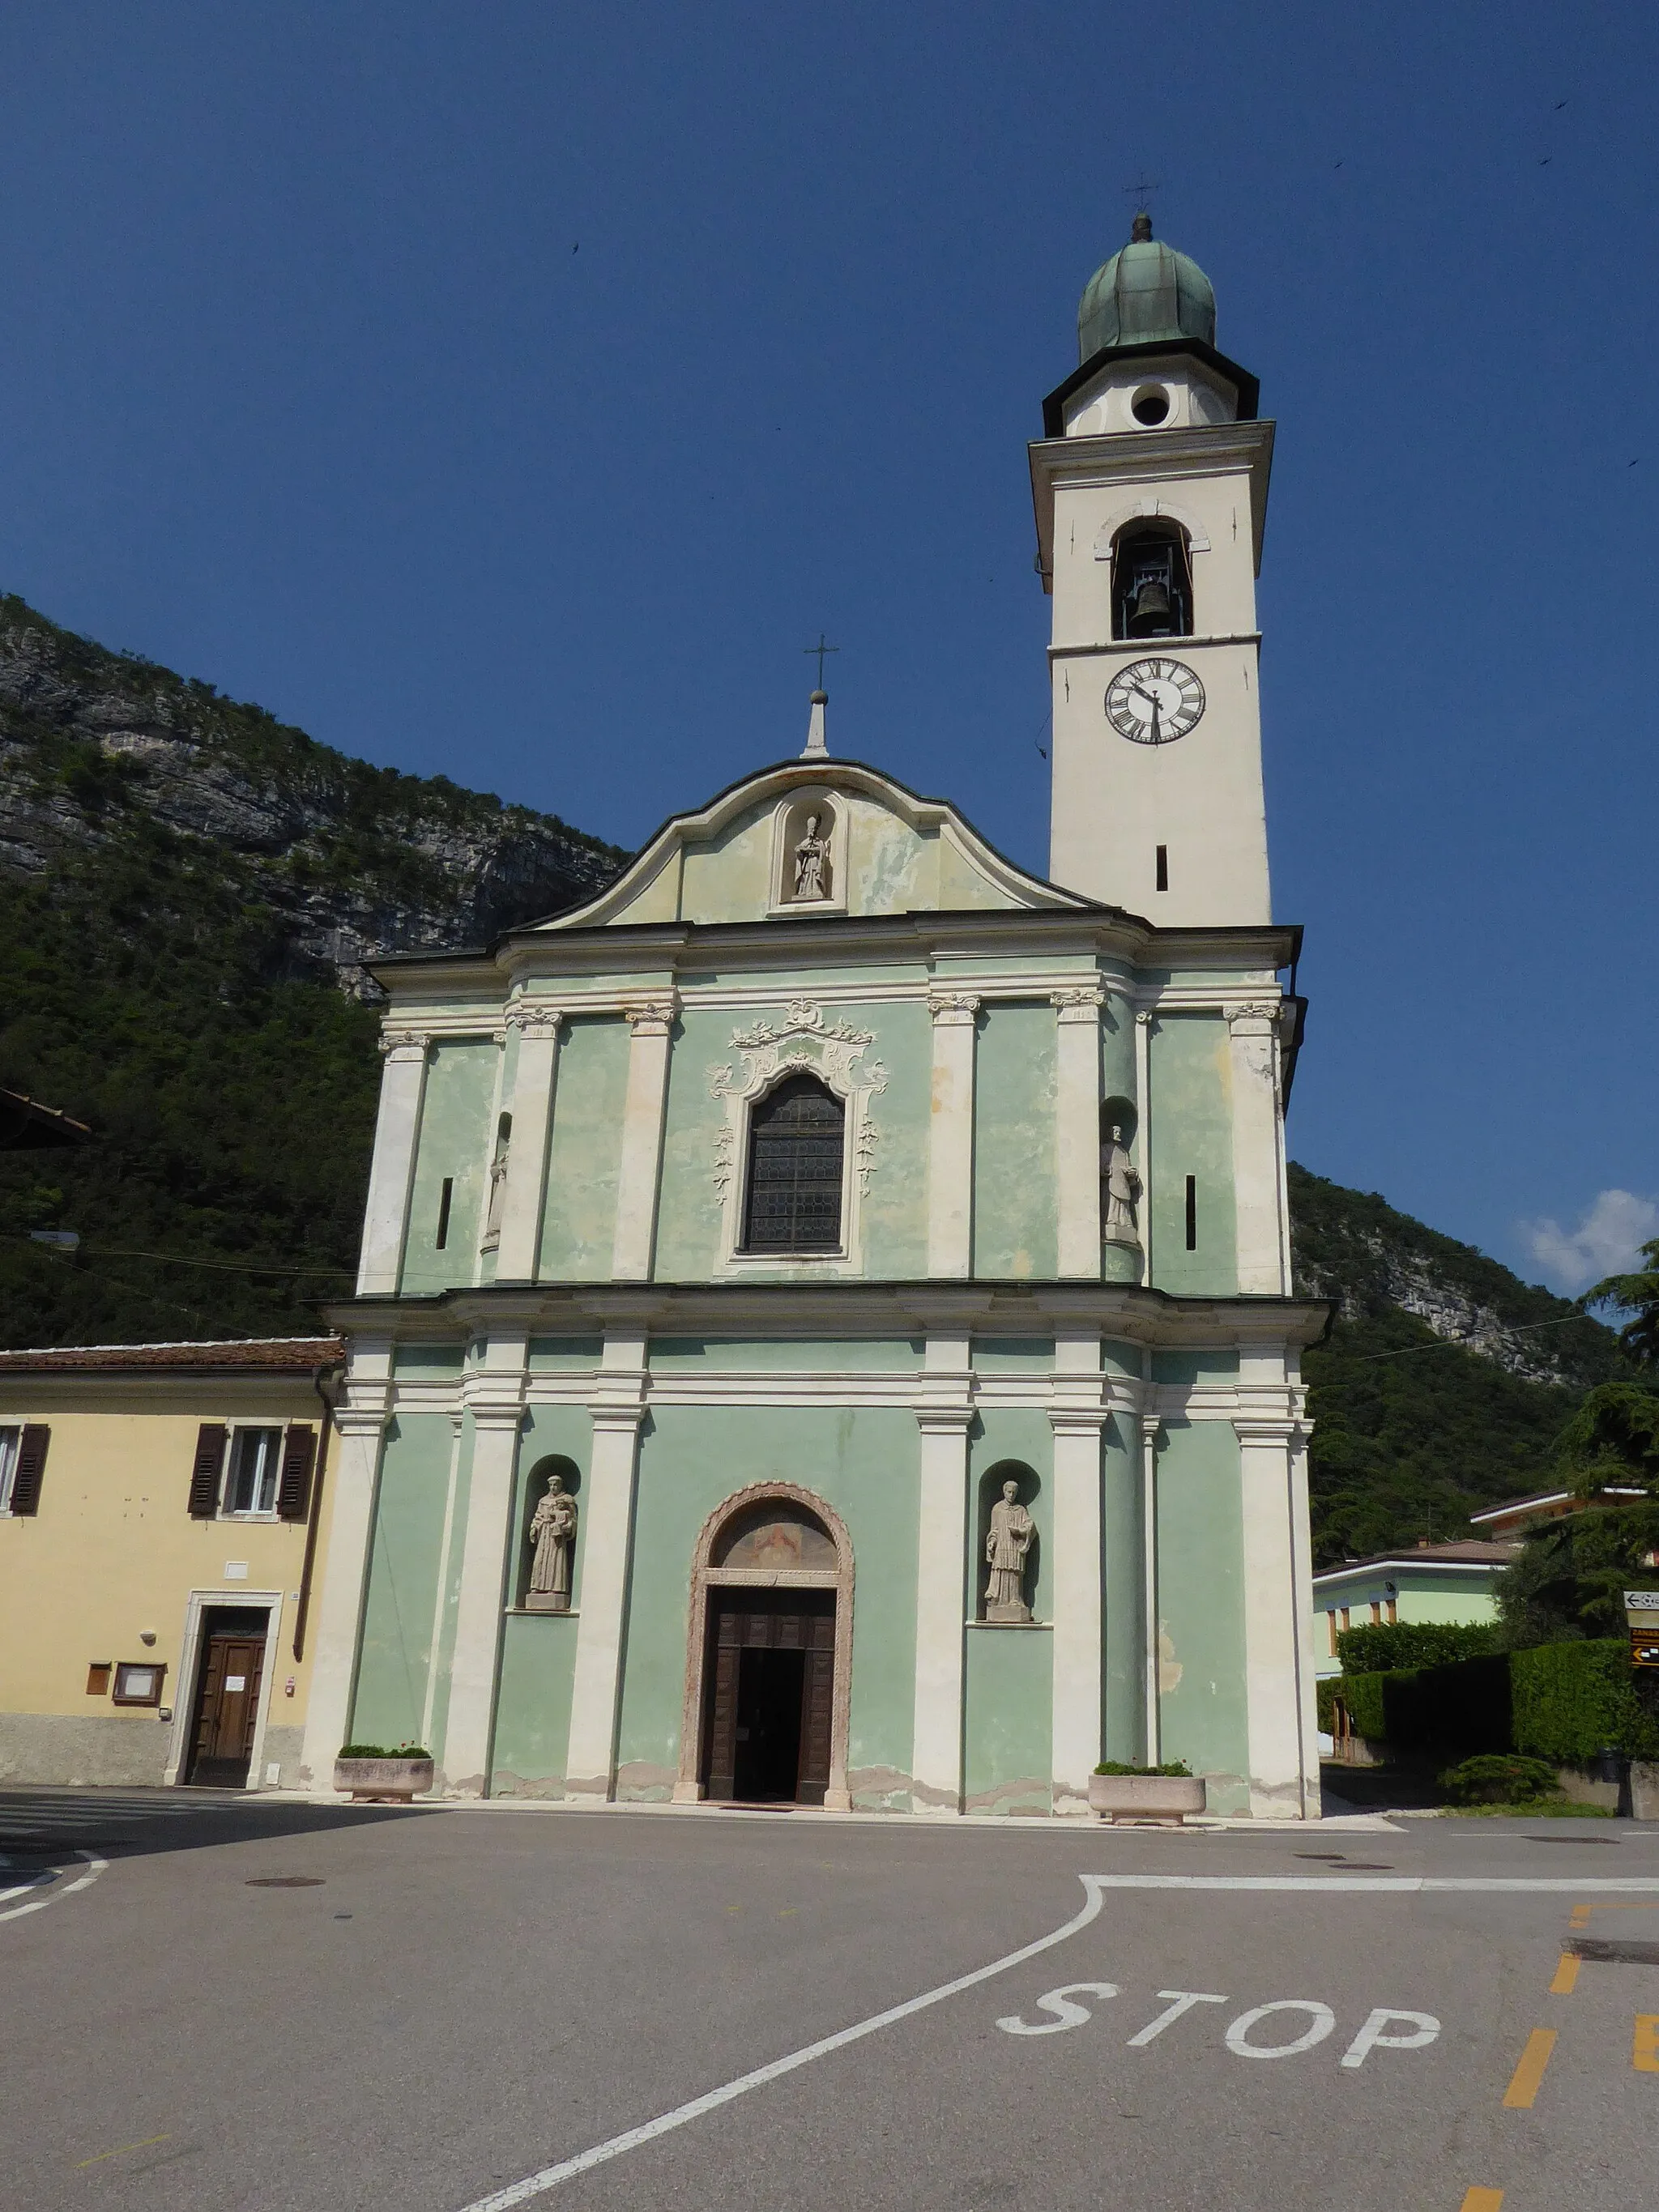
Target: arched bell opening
{"x": 1152, "y": 582}
{"x": 770, "y": 1653}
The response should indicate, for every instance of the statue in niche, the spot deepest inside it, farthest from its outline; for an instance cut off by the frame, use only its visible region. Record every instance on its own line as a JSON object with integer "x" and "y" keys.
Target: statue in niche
{"x": 812, "y": 862}
{"x": 492, "y": 1236}
{"x": 1120, "y": 1190}
{"x": 1006, "y": 1547}
{"x": 552, "y": 1536}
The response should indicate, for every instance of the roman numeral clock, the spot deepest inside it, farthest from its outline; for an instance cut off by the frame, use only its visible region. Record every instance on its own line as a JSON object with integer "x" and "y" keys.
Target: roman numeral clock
{"x": 1152, "y": 702}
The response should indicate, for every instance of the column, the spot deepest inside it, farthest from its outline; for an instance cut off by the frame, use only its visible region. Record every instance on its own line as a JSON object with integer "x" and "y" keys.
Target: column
{"x": 493, "y": 1394}
{"x": 359, "y": 1426}
{"x": 1077, "y": 1415}
{"x": 527, "y": 1159}
{"x": 1274, "y": 1633}
{"x": 1150, "y": 1425}
{"x": 941, "y": 1570}
{"x": 403, "y": 1085}
{"x": 642, "y": 1139}
{"x": 618, "y": 1409}
{"x": 951, "y": 1138}
{"x": 1258, "y": 1195}
{"x": 1077, "y": 1131}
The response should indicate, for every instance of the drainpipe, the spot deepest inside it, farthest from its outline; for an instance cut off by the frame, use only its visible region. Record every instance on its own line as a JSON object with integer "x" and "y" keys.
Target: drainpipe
{"x": 325, "y": 1382}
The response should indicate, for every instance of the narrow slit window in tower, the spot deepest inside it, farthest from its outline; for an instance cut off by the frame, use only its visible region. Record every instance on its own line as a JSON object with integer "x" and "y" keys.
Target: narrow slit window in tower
{"x": 1192, "y": 1213}
{"x": 1164, "y": 867}
{"x": 444, "y": 1197}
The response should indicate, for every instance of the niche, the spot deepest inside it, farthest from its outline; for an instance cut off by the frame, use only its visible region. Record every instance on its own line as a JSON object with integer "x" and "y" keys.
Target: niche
{"x": 1026, "y": 1489}
{"x": 809, "y": 868}
{"x": 535, "y": 1489}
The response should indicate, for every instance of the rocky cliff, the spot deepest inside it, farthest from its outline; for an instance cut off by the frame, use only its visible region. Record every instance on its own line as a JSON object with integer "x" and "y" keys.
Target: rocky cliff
{"x": 342, "y": 861}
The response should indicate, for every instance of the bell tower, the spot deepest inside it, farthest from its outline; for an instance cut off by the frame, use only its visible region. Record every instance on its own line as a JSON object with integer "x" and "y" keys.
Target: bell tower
{"x": 1150, "y": 488}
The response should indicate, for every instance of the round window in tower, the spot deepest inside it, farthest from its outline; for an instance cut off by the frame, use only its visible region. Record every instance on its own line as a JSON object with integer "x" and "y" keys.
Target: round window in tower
{"x": 1150, "y": 405}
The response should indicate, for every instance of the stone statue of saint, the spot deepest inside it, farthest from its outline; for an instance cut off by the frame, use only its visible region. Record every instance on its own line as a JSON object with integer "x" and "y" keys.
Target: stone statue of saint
{"x": 1005, "y": 1545}
{"x": 492, "y": 1234}
{"x": 552, "y": 1535}
{"x": 1120, "y": 1190}
{"x": 812, "y": 863}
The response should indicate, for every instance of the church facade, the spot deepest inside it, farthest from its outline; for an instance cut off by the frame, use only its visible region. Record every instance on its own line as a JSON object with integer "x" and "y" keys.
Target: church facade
{"x": 824, "y": 1330}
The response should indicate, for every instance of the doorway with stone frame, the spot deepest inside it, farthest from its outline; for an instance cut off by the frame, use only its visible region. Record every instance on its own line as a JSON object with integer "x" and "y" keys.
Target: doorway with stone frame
{"x": 768, "y": 1659}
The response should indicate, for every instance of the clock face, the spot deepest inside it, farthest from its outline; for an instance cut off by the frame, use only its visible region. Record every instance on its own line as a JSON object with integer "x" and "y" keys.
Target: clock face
{"x": 1152, "y": 702}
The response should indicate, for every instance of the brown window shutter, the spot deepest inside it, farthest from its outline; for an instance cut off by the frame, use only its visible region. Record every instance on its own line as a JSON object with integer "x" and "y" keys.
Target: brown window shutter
{"x": 206, "y": 1468}
{"x": 31, "y": 1466}
{"x": 293, "y": 1490}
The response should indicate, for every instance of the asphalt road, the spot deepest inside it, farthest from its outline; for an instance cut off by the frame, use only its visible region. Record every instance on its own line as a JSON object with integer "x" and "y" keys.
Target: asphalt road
{"x": 450, "y": 2009}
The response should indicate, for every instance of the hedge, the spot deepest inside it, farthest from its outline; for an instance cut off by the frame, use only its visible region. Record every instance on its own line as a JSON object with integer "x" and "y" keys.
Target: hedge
{"x": 1378, "y": 1647}
{"x": 1563, "y": 1702}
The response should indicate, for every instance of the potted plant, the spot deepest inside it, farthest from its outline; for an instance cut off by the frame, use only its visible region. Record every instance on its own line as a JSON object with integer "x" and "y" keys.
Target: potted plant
{"x": 1121, "y": 1792}
{"x": 375, "y": 1775}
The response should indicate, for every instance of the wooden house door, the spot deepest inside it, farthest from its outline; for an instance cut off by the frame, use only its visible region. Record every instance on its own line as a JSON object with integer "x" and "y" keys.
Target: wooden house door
{"x": 227, "y": 1700}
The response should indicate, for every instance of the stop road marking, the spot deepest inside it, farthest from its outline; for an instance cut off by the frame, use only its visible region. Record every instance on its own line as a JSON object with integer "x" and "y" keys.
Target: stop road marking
{"x": 1317, "y": 2021}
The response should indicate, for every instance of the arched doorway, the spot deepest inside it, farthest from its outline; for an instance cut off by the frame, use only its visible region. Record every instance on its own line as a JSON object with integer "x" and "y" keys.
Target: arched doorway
{"x": 768, "y": 1660}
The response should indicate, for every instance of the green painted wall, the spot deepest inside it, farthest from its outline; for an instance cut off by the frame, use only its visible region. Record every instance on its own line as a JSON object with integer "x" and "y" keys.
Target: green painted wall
{"x": 1016, "y": 1208}
{"x": 563, "y": 1355}
{"x": 538, "y": 1650}
{"x": 578, "y": 1221}
{"x": 1200, "y": 1603}
{"x": 1007, "y": 1693}
{"x": 1189, "y": 1369}
{"x": 428, "y": 1363}
{"x": 1013, "y": 1355}
{"x": 689, "y": 1220}
{"x": 697, "y": 1355}
{"x": 454, "y": 1143}
{"x": 895, "y": 1205}
{"x": 863, "y": 1461}
{"x": 1191, "y": 1134}
{"x": 405, "y": 1562}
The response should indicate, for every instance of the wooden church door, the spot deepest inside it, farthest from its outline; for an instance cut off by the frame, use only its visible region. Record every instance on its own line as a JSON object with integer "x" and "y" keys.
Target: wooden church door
{"x": 771, "y": 1695}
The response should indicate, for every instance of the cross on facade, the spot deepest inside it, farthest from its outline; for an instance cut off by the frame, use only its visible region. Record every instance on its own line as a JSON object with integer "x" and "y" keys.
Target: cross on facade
{"x": 821, "y": 650}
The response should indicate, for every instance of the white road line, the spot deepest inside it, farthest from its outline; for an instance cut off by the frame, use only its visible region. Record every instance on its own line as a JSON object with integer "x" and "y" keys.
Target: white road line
{"x": 534, "y": 2184}
{"x": 1397, "y": 1884}
{"x": 94, "y": 1867}
{"x": 1096, "y": 1884}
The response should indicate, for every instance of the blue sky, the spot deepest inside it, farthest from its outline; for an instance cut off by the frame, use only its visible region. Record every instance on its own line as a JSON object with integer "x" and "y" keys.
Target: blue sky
{"x": 513, "y": 391}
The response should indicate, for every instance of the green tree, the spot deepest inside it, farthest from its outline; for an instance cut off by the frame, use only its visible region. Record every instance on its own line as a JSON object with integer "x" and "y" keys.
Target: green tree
{"x": 1611, "y": 1443}
{"x": 1569, "y": 1579}
{"x": 1636, "y": 1295}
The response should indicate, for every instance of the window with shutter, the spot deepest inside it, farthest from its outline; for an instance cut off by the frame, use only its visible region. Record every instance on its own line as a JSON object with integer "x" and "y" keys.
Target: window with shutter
{"x": 206, "y": 1468}
{"x": 20, "y": 1490}
{"x": 796, "y": 1162}
{"x": 294, "y": 1490}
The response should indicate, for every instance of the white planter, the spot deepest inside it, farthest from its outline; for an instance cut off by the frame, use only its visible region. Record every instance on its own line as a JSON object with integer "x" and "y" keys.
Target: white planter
{"x": 383, "y": 1781}
{"x": 1146, "y": 1797}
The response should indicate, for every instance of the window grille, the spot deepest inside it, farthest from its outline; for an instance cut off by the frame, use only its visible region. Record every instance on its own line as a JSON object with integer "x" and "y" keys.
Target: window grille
{"x": 796, "y": 1150}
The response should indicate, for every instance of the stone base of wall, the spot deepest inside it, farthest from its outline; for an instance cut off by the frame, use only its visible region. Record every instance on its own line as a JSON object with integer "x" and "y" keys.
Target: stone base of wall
{"x": 1579, "y": 1788}
{"x": 109, "y": 1751}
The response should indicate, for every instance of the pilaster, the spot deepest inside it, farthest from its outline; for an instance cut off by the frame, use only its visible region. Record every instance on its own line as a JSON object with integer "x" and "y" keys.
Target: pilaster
{"x": 941, "y": 1573}
{"x": 397, "y": 1132}
{"x": 359, "y": 1422}
{"x": 1151, "y": 1626}
{"x": 1077, "y": 1413}
{"x": 1258, "y": 1194}
{"x": 1284, "y": 1772}
{"x": 617, "y": 1409}
{"x": 652, "y": 1021}
{"x": 1078, "y": 1129}
{"x": 951, "y": 1138}
{"x": 538, "y": 1029}
{"x": 494, "y": 1393}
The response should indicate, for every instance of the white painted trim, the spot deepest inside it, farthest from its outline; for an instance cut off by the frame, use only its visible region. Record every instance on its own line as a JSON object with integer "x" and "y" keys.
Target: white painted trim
{"x": 1076, "y": 1574}
{"x": 596, "y": 1689}
{"x": 187, "y": 1687}
{"x": 391, "y": 1178}
{"x": 440, "y": 1604}
{"x": 936, "y": 1752}
{"x": 951, "y": 1135}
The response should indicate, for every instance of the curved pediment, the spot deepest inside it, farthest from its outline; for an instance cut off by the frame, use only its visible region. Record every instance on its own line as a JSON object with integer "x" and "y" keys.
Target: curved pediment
{"x": 815, "y": 838}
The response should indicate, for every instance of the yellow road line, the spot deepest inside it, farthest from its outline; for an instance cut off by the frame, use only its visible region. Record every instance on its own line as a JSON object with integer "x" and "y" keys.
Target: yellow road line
{"x": 1525, "y": 2080}
{"x": 1483, "y": 2200}
{"x": 143, "y": 2144}
{"x": 1644, "y": 2049}
{"x": 1565, "y": 1975}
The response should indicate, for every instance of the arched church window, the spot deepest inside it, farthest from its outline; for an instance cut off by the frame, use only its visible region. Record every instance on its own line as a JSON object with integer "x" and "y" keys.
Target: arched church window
{"x": 1152, "y": 582}
{"x": 796, "y": 1162}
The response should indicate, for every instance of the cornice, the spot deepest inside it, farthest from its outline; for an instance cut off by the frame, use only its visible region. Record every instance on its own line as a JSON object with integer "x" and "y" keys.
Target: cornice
{"x": 1114, "y": 457}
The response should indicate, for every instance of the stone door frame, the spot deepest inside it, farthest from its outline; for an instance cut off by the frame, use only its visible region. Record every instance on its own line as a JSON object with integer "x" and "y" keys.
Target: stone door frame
{"x": 706, "y": 1576}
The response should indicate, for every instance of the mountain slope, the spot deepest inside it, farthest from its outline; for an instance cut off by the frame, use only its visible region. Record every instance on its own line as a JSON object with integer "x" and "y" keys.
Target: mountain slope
{"x": 1414, "y": 1430}
{"x": 185, "y": 885}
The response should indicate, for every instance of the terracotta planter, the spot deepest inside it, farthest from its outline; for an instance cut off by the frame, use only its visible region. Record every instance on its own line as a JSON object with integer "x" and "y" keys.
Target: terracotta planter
{"x": 383, "y": 1781}
{"x": 1146, "y": 1797}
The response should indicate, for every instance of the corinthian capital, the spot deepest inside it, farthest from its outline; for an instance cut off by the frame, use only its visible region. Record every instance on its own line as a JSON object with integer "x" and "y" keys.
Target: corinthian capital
{"x": 953, "y": 1009}
{"x": 406, "y": 1044}
{"x": 1082, "y": 1002}
{"x": 1253, "y": 1014}
{"x": 653, "y": 1017}
{"x": 532, "y": 1019}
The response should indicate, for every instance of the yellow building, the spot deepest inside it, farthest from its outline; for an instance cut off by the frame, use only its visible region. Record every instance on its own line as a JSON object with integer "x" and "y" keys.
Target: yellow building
{"x": 163, "y": 1513}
